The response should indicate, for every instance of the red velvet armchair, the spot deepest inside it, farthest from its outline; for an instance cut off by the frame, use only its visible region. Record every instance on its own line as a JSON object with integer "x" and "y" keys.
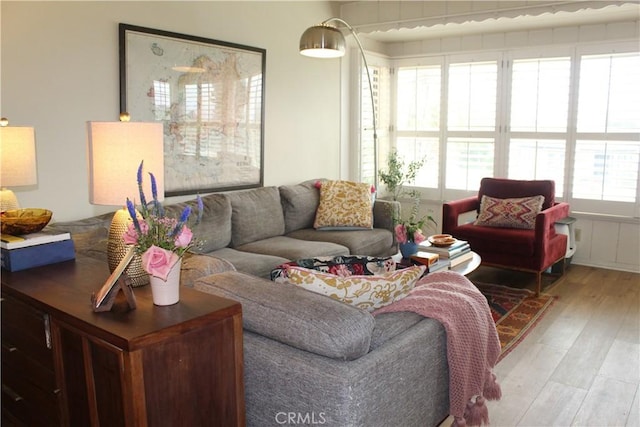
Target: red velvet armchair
{"x": 533, "y": 250}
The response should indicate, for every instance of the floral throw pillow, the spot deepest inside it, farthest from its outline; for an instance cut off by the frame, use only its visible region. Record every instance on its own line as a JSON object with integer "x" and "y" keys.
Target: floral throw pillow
{"x": 344, "y": 204}
{"x": 509, "y": 213}
{"x": 341, "y": 265}
{"x": 365, "y": 292}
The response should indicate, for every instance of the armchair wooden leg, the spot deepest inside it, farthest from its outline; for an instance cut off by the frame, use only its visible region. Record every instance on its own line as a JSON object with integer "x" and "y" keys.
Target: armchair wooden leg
{"x": 538, "y": 283}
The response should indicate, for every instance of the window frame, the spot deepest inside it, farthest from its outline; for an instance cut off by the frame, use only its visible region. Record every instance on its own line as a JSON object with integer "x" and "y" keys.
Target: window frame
{"x": 503, "y": 134}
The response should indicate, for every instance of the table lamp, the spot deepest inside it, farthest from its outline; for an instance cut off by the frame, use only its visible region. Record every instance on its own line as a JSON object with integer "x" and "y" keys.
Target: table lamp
{"x": 18, "y": 161}
{"x": 115, "y": 150}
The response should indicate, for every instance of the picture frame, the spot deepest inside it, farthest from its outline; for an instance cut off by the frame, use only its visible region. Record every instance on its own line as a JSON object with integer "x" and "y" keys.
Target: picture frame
{"x": 209, "y": 95}
{"x": 104, "y": 298}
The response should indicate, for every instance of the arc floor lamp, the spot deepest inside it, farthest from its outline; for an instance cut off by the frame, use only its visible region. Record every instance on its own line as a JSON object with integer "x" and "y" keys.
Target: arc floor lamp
{"x": 327, "y": 41}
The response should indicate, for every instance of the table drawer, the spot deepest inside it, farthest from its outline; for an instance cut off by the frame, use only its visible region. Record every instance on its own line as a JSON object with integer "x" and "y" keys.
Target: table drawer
{"x": 26, "y": 330}
{"x": 30, "y": 407}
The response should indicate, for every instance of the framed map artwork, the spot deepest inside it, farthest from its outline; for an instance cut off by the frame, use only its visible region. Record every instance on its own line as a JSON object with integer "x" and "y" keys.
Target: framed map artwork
{"x": 209, "y": 95}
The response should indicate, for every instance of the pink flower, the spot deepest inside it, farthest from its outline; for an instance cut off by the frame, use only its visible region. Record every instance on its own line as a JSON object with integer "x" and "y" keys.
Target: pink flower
{"x": 401, "y": 233}
{"x": 131, "y": 236}
{"x": 418, "y": 237}
{"x": 158, "y": 262}
{"x": 184, "y": 238}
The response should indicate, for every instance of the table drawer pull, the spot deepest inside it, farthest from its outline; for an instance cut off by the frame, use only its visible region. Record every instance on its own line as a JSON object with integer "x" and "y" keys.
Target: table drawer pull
{"x": 9, "y": 347}
{"x": 12, "y": 394}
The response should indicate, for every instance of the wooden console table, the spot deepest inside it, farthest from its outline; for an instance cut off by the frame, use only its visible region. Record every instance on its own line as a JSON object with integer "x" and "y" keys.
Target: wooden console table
{"x": 63, "y": 364}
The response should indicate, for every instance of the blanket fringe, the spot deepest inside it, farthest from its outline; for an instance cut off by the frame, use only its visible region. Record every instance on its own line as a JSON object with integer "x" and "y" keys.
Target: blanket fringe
{"x": 477, "y": 414}
{"x": 492, "y": 390}
{"x": 459, "y": 422}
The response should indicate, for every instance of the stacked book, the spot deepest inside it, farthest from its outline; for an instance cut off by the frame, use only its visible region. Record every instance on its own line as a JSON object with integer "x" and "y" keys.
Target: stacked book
{"x": 431, "y": 260}
{"x": 457, "y": 253}
{"x": 35, "y": 249}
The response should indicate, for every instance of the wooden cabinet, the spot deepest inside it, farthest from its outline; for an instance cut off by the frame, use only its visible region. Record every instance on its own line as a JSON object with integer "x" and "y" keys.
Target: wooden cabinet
{"x": 29, "y": 388}
{"x": 156, "y": 366}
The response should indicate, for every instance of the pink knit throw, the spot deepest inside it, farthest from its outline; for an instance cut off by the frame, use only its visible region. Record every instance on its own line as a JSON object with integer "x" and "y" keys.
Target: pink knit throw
{"x": 472, "y": 340}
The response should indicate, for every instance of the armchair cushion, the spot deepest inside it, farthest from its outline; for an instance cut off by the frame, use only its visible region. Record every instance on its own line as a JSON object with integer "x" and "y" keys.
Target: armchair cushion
{"x": 510, "y": 213}
{"x": 503, "y": 188}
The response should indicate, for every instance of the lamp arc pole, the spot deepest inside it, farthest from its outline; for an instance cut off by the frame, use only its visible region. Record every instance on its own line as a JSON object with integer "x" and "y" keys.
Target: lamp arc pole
{"x": 327, "y": 37}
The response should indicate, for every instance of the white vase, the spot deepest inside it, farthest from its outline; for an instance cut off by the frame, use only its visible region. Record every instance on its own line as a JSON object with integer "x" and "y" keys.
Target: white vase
{"x": 167, "y": 292}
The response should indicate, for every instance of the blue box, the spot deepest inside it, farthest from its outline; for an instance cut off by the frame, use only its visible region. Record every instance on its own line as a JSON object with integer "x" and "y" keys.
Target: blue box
{"x": 38, "y": 255}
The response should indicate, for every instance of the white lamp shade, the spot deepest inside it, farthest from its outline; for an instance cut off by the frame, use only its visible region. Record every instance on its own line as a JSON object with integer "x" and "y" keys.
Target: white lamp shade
{"x": 18, "y": 156}
{"x": 115, "y": 150}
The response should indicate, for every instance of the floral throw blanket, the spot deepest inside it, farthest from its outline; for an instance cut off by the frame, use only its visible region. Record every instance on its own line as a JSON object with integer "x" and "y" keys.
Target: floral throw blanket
{"x": 472, "y": 341}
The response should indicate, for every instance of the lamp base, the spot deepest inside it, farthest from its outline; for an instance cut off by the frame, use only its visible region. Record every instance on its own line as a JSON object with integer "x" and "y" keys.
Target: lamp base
{"x": 116, "y": 250}
{"x": 8, "y": 200}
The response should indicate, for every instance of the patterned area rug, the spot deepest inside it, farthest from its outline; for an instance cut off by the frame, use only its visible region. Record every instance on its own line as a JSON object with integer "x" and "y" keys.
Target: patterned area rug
{"x": 515, "y": 311}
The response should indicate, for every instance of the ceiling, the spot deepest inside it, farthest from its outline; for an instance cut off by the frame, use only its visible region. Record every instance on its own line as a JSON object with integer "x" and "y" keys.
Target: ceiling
{"x": 626, "y": 12}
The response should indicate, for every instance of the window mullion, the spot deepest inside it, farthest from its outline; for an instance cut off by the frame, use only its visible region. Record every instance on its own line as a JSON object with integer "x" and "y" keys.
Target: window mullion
{"x": 444, "y": 132}
{"x": 503, "y": 115}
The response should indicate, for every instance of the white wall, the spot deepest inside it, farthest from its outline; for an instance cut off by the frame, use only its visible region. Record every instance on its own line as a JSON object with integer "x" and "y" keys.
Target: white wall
{"x": 59, "y": 69}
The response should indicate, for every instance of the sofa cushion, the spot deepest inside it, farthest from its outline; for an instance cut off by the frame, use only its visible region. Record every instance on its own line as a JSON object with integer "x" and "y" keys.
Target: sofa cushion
{"x": 259, "y": 265}
{"x": 376, "y": 242}
{"x": 294, "y": 316}
{"x": 390, "y": 325}
{"x": 287, "y": 247}
{"x": 92, "y": 243}
{"x": 339, "y": 265}
{"x": 214, "y": 230}
{"x": 344, "y": 204}
{"x": 196, "y": 266}
{"x": 299, "y": 205}
{"x": 509, "y": 213}
{"x": 515, "y": 241}
{"x": 256, "y": 215}
{"x": 365, "y": 292}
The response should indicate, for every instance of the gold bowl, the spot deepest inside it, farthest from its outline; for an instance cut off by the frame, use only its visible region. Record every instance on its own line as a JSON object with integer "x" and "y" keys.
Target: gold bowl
{"x": 24, "y": 221}
{"x": 442, "y": 240}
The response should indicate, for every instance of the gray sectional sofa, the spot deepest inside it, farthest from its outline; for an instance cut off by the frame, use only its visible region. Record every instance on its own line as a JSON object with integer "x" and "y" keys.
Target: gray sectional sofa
{"x": 308, "y": 359}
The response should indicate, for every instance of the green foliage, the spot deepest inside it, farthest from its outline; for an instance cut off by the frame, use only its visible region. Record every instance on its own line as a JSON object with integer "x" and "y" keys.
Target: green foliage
{"x": 398, "y": 174}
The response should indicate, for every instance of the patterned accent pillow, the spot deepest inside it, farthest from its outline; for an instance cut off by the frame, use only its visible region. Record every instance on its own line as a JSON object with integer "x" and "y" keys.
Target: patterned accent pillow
{"x": 509, "y": 213}
{"x": 341, "y": 265}
{"x": 364, "y": 292}
{"x": 344, "y": 204}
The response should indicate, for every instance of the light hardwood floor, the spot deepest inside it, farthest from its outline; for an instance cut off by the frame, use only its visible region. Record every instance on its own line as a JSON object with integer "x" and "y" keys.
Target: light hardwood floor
{"x": 580, "y": 366}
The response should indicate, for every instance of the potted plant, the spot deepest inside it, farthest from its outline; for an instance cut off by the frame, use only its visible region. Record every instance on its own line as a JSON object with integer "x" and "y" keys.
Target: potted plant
{"x": 161, "y": 241}
{"x": 408, "y": 232}
{"x": 396, "y": 176}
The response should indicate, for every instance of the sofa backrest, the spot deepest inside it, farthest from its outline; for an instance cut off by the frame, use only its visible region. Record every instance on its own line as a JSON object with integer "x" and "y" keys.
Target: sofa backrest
{"x": 214, "y": 230}
{"x": 256, "y": 215}
{"x": 299, "y": 205}
{"x": 502, "y": 188}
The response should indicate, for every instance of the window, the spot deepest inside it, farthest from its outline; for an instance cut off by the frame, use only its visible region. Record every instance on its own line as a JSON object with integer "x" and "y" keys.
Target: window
{"x": 380, "y": 81}
{"x": 471, "y": 123}
{"x": 538, "y": 121}
{"x": 607, "y": 154}
{"x": 567, "y": 114}
{"x": 418, "y": 127}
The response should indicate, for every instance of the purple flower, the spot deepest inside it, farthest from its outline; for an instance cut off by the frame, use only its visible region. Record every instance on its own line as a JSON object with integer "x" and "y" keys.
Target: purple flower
{"x": 132, "y": 213}
{"x": 200, "y": 210}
